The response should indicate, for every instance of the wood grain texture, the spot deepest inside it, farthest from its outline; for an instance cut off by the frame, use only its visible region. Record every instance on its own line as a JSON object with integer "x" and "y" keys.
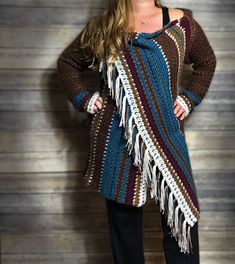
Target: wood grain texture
{"x": 54, "y": 121}
{"x": 78, "y": 242}
{"x": 59, "y": 37}
{"x": 46, "y": 59}
{"x": 207, "y": 257}
{"x": 68, "y": 16}
{"x": 210, "y": 5}
{"x": 55, "y": 100}
{"x": 75, "y": 161}
{"x": 73, "y": 139}
{"x": 47, "y": 215}
{"x": 96, "y": 221}
{"x": 67, "y": 203}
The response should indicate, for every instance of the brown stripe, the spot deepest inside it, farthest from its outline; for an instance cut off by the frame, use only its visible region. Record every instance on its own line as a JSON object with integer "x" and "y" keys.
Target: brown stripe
{"x": 138, "y": 180}
{"x": 98, "y": 135}
{"x": 157, "y": 108}
{"x": 182, "y": 188}
{"x": 121, "y": 173}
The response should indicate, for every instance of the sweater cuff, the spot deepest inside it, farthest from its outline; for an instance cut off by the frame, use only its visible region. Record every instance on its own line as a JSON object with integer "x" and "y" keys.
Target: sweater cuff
{"x": 84, "y": 101}
{"x": 185, "y": 103}
{"x": 91, "y": 102}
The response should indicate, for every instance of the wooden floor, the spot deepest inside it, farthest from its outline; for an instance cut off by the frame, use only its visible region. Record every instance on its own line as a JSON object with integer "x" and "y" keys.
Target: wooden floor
{"x": 46, "y": 216}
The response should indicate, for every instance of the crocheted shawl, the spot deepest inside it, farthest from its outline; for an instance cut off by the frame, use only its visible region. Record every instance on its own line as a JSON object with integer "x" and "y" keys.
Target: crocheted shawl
{"x": 139, "y": 80}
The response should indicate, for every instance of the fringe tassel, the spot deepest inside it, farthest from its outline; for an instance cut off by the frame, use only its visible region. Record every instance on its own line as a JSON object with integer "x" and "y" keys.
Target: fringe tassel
{"x": 146, "y": 166}
{"x": 162, "y": 197}
{"x": 117, "y": 91}
{"x": 137, "y": 150}
{"x": 130, "y": 134}
{"x": 170, "y": 210}
{"x": 158, "y": 187}
{"x": 153, "y": 190}
{"x": 190, "y": 246}
{"x": 122, "y": 121}
{"x": 176, "y": 217}
{"x": 180, "y": 229}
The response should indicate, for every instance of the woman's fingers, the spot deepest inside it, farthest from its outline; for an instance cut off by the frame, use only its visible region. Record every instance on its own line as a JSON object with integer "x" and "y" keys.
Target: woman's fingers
{"x": 98, "y": 104}
{"x": 177, "y": 108}
{"x": 95, "y": 108}
{"x": 182, "y": 116}
{"x": 100, "y": 99}
{"x": 179, "y": 111}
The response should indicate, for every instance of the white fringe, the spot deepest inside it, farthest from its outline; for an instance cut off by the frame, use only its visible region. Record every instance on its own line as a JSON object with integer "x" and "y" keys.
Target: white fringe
{"x": 170, "y": 210}
{"x": 122, "y": 121}
{"x": 158, "y": 190}
{"x": 137, "y": 150}
{"x": 153, "y": 190}
{"x": 176, "y": 217}
{"x": 129, "y": 136}
{"x": 117, "y": 90}
{"x": 146, "y": 166}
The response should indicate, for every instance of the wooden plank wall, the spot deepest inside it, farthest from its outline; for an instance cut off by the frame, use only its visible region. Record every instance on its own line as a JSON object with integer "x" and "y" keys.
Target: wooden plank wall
{"x": 45, "y": 214}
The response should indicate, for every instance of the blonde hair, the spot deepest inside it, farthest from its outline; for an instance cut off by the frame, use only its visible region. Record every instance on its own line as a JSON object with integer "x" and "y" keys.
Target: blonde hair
{"x": 106, "y": 34}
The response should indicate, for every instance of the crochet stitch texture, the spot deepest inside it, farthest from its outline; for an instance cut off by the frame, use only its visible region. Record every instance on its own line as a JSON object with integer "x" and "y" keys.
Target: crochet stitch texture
{"x": 137, "y": 144}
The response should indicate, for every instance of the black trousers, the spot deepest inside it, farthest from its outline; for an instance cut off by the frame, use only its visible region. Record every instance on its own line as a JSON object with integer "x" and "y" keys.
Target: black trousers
{"x": 126, "y": 234}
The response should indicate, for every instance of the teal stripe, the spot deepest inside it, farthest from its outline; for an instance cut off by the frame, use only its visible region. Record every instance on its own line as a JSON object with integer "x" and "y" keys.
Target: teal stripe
{"x": 124, "y": 185}
{"x": 77, "y": 99}
{"x": 111, "y": 158}
{"x": 192, "y": 96}
{"x": 162, "y": 93}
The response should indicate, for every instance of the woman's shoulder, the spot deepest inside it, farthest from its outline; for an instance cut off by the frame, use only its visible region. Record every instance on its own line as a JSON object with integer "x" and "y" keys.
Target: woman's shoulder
{"x": 179, "y": 13}
{"x": 175, "y": 13}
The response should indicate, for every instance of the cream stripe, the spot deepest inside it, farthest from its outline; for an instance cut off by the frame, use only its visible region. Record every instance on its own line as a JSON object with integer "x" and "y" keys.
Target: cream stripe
{"x": 152, "y": 150}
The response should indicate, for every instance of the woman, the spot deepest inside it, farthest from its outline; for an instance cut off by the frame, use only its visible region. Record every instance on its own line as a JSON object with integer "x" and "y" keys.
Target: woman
{"x": 137, "y": 141}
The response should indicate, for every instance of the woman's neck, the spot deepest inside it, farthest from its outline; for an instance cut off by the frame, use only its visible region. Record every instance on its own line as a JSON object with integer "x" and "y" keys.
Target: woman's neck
{"x": 142, "y": 7}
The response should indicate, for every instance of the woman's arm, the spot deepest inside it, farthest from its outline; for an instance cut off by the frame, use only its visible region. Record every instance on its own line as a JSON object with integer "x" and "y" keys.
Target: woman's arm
{"x": 202, "y": 56}
{"x": 70, "y": 64}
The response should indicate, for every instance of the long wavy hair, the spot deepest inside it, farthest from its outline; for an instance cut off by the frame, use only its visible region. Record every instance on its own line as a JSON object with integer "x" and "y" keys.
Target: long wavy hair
{"x": 104, "y": 35}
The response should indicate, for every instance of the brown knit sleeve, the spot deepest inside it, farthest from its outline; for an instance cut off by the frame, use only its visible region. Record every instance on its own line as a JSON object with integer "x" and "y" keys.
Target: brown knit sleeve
{"x": 70, "y": 65}
{"x": 202, "y": 56}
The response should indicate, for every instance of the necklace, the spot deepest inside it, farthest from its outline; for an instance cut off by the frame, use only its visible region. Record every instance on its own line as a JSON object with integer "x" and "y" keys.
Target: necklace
{"x": 144, "y": 22}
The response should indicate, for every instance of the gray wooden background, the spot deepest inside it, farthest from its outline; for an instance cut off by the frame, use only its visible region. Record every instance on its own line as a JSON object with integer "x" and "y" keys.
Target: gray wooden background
{"x": 45, "y": 215}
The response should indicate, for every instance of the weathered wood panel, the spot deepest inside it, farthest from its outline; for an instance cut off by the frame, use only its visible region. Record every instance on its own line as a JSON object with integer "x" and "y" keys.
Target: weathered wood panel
{"x": 53, "y": 37}
{"x": 87, "y": 242}
{"x": 36, "y": 79}
{"x": 55, "y": 100}
{"x": 72, "y": 161}
{"x": 47, "y": 214}
{"x": 46, "y": 59}
{"x": 45, "y": 121}
{"x": 68, "y": 16}
{"x": 66, "y": 203}
{"x": 207, "y": 257}
{"x": 71, "y": 140}
{"x": 93, "y": 221}
{"x": 69, "y": 182}
{"x": 200, "y": 5}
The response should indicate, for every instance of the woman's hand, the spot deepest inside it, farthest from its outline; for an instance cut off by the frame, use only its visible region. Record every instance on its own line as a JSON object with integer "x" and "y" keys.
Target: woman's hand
{"x": 179, "y": 111}
{"x": 98, "y": 104}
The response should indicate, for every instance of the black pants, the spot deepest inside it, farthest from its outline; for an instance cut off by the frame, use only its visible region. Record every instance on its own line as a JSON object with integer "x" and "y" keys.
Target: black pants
{"x": 126, "y": 233}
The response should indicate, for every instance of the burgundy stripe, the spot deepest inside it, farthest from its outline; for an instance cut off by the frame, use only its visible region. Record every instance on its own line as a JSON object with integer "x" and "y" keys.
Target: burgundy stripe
{"x": 131, "y": 183}
{"x": 83, "y": 101}
{"x": 148, "y": 112}
{"x": 186, "y": 24}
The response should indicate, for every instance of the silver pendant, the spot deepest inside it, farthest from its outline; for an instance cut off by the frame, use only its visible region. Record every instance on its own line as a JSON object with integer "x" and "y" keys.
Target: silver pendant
{"x": 143, "y": 23}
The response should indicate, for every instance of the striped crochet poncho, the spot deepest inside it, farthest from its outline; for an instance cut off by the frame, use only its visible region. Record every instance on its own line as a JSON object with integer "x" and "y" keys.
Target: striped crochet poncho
{"x": 137, "y": 144}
